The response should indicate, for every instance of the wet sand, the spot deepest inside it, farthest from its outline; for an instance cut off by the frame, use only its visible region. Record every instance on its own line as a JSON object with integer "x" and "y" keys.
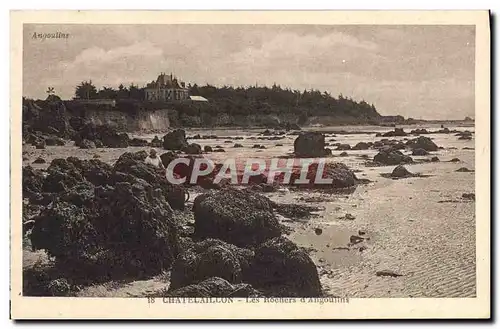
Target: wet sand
{"x": 406, "y": 229}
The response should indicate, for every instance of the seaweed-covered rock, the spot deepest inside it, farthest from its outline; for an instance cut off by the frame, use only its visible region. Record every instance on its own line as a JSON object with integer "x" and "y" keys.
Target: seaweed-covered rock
{"x": 215, "y": 287}
{"x": 175, "y": 140}
{"x": 131, "y": 164}
{"x": 125, "y": 229}
{"x": 240, "y": 217}
{"x": 210, "y": 258}
{"x": 280, "y": 268}
{"x": 108, "y": 135}
{"x": 422, "y": 142}
{"x": 310, "y": 144}
{"x": 32, "y": 181}
{"x": 391, "y": 157}
{"x": 62, "y": 174}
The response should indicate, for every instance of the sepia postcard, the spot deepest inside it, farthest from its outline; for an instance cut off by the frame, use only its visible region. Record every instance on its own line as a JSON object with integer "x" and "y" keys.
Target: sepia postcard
{"x": 250, "y": 164}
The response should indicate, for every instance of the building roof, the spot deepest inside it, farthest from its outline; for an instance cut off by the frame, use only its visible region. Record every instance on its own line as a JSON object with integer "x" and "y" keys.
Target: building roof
{"x": 198, "y": 99}
{"x": 166, "y": 81}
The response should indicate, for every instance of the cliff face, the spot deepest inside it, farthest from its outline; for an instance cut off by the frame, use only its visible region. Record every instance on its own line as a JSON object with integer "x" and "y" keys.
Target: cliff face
{"x": 143, "y": 121}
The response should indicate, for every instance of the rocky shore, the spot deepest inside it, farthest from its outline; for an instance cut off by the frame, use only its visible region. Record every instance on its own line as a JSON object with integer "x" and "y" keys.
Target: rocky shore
{"x": 98, "y": 221}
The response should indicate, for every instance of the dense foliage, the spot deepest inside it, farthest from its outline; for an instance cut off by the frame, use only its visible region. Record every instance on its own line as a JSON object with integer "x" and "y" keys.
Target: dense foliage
{"x": 255, "y": 100}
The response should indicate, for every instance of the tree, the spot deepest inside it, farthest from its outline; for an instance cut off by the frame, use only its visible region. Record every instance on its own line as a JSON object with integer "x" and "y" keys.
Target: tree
{"x": 86, "y": 90}
{"x": 107, "y": 93}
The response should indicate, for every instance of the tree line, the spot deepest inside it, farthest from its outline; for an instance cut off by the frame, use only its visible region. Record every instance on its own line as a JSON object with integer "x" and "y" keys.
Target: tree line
{"x": 245, "y": 100}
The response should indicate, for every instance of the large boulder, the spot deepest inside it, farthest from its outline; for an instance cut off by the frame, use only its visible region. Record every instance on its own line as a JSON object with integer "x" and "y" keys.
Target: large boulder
{"x": 210, "y": 258}
{"x": 422, "y": 142}
{"x": 240, "y": 217}
{"x": 281, "y": 269}
{"x": 391, "y": 157}
{"x": 215, "y": 287}
{"x": 339, "y": 173}
{"x": 106, "y": 134}
{"x": 125, "y": 229}
{"x": 310, "y": 144}
{"x": 50, "y": 117}
{"x": 175, "y": 140}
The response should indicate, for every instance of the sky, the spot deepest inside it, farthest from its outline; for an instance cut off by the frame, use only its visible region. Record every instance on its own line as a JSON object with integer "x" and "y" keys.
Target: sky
{"x": 423, "y": 72}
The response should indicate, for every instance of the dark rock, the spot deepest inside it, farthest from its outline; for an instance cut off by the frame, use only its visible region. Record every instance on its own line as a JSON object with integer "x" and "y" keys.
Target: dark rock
{"x": 343, "y": 147}
{"x": 401, "y": 172}
{"x": 434, "y": 159}
{"x": 422, "y": 142}
{"x": 210, "y": 258}
{"x": 419, "y": 152}
{"x": 455, "y": 160}
{"x": 177, "y": 197}
{"x": 86, "y": 144}
{"x": 282, "y": 269}
{"x": 128, "y": 229}
{"x": 59, "y": 287}
{"x": 32, "y": 181}
{"x": 463, "y": 169}
{"x": 387, "y": 273}
{"x": 167, "y": 157}
{"x": 39, "y": 160}
{"x": 240, "y": 217}
{"x": 105, "y": 133}
{"x": 215, "y": 287}
{"x": 219, "y": 150}
{"x": 392, "y": 157}
{"x": 318, "y": 231}
{"x": 156, "y": 142}
{"x": 395, "y": 132}
{"x": 309, "y": 144}
{"x": 354, "y": 239}
{"x": 361, "y": 146}
{"x": 237, "y": 145}
{"x": 138, "y": 142}
{"x": 54, "y": 141}
{"x": 207, "y": 148}
{"x": 344, "y": 154}
{"x": 175, "y": 140}
{"x": 192, "y": 149}
{"x": 469, "y": 196}
{"x": 40, "y": 144}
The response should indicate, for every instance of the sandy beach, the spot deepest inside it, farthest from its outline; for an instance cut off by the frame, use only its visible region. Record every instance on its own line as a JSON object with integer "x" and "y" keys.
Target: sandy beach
{"x": 417, "y": 235}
